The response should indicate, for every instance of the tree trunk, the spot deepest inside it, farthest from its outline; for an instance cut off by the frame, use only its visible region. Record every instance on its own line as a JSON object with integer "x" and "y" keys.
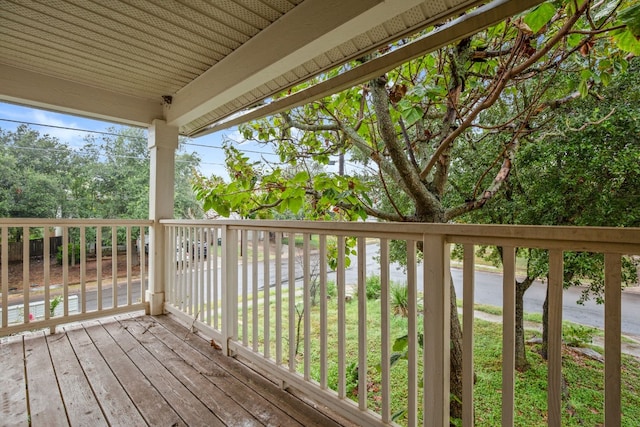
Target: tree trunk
{"x": 521, "y": 355}
{"x": 545, "y": 325}
{"x": 455, "y": 405}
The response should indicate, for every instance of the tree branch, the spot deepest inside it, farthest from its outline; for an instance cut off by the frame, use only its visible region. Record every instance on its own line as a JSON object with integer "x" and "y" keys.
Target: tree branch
{"x": 490, "y": 191}
{"x": 407, "y": 173}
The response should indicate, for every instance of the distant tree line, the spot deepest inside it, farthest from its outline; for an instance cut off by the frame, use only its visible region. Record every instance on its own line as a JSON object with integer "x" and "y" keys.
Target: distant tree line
{"x": 44, "y": 177}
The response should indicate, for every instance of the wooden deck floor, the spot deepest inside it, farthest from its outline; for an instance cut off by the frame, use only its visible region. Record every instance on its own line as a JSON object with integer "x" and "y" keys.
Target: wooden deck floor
{"x": 135, "y": 371}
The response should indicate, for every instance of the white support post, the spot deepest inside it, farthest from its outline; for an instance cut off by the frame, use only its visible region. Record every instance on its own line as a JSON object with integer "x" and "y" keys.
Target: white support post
{"x": 437, "y": 325}
{"x": 163, "y": 142}
{"x": 230, "y": 288}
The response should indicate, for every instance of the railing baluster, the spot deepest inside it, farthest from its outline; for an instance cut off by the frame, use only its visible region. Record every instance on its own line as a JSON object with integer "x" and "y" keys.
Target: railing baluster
{"x": 5, "y": 275}
{"x": 322, "y": 261}
{"x": 83, "y": 269}
{"x": 245, "y": 288}
{"x": 254, "y": 290}
{"x": 26, "y": 288}
{"x": 114, "y": 265}
{"x": 208, "y": 282}
{"x": 65, "y": 270}
{"x": 306, "y": 304}
{"x": 291, "y": 245}
{"x": 278, "y": 272}
{"x": 437, "y": 327}
{"x": 412, "y": 291}
{"x": 129, "y": 267}
{"x": 340, "y": 280}
{"x": 468, "y": 301}
{"x": 213, "y": 272}
{"x": 143, "y": 260}
{"x": 176, "y": 248}
{"x": 362, "y": 323}
{"x": 612, "y": 337}
{"x": 46, "y": 258}
{"x": 266, "y": 289}
{"x": 508, "y": 334}
{"x": 189, "y": 269}
{"x": 99, "y": 266}
{"x": 200, "y": 252}
{"x": 385, "y": 332}
{"x": 554, "y": 360}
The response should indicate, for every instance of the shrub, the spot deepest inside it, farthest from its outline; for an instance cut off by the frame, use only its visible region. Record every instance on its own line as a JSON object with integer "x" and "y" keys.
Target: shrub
{"x": 400, "y": 300}
{"x": 373, "y": 287}
{"x": 577, "y": 335}
{"x": 73, "y": 253}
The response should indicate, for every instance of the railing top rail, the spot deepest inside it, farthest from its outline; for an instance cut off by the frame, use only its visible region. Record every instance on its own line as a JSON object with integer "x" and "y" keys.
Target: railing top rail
{"x": 40, "y": 222}
{"x": 596, "y": 239}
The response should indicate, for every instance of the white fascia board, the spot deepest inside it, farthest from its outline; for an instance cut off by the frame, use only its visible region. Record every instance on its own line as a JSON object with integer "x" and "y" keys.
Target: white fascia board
{"x": 312, "y": 27}
{"x": 19, "y": 86}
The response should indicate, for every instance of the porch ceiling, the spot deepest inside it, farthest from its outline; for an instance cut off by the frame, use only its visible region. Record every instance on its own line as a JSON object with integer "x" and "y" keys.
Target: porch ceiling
{"x": 120, "y": 60}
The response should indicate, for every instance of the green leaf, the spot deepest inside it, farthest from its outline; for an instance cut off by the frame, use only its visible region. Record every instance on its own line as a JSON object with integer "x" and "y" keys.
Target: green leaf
{"x": 586, "y": 74}
{"x": 540, "y": 16}
{"x": 412, "y": 115}
{"x": 395, "y": 357}
{"x": 631, "y": 18}
{"x": 628, "y": 42}
{"x": 295, "y": 204}
{"x": 583, "y": 88}
{"x": 398, "y": 414}
{"x": 400, "y": 343}
{"x": 300, "y": 177}
{"x": 573, "y": 40}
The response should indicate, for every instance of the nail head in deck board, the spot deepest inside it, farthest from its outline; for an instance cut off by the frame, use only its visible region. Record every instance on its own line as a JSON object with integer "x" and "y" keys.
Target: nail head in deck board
{"x": 195, "y": 380}
{"x": 13, "y": 393}
{"x": 291, "y": 405}
{"x": 45, "y": 401}
{"x": 116, "y": 404}
{"x": 190, "y": 409}
{"x": 83, "y": 409}
{"x": 147, "y": 399}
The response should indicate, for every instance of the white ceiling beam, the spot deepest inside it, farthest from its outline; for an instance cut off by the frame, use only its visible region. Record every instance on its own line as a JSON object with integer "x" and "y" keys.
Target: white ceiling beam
{"x": 312, "y": 27}
{"x": 32, "y": 89}
{"x": 457, "y": 29}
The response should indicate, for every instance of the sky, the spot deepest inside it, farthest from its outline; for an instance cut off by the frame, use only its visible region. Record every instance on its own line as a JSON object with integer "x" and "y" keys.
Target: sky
{"x": 61, "y": 126}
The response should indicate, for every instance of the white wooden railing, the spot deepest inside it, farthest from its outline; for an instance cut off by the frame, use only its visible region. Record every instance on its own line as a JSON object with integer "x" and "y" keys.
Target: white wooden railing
{"x": 222, "y": 294}
{"x": 97, "y": 291}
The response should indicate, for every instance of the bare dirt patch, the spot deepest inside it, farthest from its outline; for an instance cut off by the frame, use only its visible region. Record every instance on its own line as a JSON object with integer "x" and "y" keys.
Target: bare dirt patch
{"x": 56, "y": 272}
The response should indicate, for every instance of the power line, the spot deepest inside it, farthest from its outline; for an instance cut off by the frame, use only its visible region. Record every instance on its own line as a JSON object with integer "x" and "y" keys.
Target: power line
{"x": 193, "y": 144}
{"x": 68, "y": 128}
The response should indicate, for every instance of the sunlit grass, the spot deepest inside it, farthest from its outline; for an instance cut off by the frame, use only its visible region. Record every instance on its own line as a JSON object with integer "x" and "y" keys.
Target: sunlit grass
{"x": 583, "y": 405}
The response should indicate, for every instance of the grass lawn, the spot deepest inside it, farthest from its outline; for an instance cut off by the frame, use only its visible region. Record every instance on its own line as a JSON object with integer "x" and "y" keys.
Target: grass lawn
{"x": 583, "y": 403}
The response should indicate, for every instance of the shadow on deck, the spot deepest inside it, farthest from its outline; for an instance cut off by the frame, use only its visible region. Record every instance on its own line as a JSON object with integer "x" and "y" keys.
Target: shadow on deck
{"x": 138, "y": 370}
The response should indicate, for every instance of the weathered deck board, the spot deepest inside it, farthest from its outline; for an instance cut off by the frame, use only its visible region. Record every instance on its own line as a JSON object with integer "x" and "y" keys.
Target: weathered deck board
{"x": 194, "y": 379}
{"x": 241, "y": 376}
{"x": 148, "y": 400}
{"x": 188, "y": 407}
{"x": 13, "y": 392}
{"x": 114, "y": 401}
{"x": 81, "y": 404}
{"x": 137, "y": 371}
{"x": 264, "y": 411}
{"x": 45, "y": 402}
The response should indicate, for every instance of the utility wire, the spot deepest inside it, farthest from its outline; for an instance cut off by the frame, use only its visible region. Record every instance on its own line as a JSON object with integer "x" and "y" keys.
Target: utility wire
{"x": 130, "y": 137}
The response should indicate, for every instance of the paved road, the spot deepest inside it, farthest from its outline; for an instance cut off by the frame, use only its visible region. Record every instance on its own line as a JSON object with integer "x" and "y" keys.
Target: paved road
{"x": 488, "y": 290}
